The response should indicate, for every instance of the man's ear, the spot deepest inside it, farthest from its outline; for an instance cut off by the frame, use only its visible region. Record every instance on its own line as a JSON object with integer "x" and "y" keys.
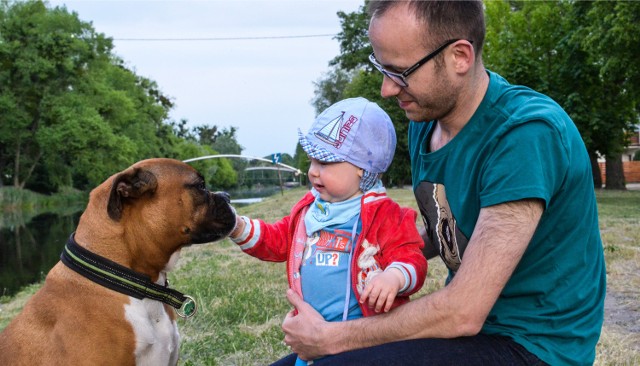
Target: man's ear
{"x": 130, "y": 184}
{"x": 464, "y": 57}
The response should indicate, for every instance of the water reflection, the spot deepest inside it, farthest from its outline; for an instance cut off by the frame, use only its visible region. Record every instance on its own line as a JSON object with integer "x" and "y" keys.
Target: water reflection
{"x": 29, "y": 250}
{"x": 245, "y": 201}
{"x": 31, "y": 245}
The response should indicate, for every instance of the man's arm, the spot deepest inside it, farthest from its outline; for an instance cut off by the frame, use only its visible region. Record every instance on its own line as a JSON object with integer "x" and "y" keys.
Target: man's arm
{"x": 499, "y": 240}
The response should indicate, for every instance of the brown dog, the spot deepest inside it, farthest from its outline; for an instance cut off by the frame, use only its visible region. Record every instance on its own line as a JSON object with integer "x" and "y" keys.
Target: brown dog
{"x": 107, "y": 301}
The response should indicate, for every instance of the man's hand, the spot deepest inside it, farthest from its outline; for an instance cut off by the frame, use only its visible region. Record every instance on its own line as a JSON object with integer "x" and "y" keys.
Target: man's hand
{"x": 303, "y": 328}
{"x": 382, "y": 289}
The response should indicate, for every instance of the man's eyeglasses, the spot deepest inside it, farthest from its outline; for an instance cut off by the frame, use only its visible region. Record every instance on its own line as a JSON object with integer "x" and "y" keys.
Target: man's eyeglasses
{"x": 400, "y": 78}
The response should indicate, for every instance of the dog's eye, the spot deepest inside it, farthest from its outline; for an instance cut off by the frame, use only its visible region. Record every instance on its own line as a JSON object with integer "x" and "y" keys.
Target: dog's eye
{"x": 202, "y": 186}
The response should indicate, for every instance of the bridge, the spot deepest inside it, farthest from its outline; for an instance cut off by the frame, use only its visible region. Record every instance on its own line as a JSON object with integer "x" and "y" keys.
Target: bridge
{"x": 280, "y": 166}
{"x": 285, "y": 167}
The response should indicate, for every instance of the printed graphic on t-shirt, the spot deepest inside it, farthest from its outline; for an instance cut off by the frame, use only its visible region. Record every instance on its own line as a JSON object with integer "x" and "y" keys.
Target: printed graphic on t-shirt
{"x": 441, "y": 224}
{"x": 327, "y": 248}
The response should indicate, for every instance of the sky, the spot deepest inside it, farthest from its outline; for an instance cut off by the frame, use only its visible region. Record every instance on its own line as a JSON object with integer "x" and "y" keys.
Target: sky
{"x": 262, "y": 86}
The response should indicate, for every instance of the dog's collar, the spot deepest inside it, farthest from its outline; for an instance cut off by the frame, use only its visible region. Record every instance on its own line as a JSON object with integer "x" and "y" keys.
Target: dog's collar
{"x": 121, "y": 279}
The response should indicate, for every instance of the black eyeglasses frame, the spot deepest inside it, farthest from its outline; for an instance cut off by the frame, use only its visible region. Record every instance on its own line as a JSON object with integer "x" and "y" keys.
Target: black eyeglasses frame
{"x": 400, "y": 77}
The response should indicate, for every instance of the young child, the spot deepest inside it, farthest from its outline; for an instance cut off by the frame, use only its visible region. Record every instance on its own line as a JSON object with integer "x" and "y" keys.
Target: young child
{"x": 350, "y": 250}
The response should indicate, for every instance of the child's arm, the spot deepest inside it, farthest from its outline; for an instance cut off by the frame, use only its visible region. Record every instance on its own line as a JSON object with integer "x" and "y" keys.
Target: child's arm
{"x": 400, "y": 255}
{"x": 381, "y": 291}
{"x": 268, "y": 242}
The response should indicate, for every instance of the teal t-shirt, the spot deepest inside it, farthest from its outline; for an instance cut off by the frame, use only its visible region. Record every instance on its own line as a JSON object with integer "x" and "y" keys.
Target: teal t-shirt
{"x": 520, "y": 144}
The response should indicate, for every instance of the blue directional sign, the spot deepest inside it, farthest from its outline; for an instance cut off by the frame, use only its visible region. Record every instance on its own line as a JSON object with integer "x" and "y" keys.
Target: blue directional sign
{"x": 275, "y": 158}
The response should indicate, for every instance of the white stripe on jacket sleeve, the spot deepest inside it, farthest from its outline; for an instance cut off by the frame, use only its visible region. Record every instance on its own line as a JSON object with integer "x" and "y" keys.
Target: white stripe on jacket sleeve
{"x": 410, "y": 276}
{"x": 250, "y": 235}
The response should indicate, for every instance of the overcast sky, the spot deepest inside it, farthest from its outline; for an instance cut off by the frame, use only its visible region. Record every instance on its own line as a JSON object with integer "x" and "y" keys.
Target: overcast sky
{"x": 263, "y": 87}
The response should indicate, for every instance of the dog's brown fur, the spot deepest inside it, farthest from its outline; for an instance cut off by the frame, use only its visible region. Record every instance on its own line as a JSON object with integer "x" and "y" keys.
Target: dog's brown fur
{"x": 138, "y": 218}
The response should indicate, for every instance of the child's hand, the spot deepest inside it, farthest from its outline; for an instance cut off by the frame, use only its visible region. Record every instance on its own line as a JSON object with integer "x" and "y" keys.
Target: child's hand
{"x": 240, "y": 224}
{"x": 382, "y": 289}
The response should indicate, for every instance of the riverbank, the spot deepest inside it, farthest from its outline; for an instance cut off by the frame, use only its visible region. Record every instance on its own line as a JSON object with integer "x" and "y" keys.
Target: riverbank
{"x": 17, "y": 205}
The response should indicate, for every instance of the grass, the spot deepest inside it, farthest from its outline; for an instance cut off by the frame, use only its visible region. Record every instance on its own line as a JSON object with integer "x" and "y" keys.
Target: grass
{"x": 620, "y": 229}
{"x": 241, "y": 299}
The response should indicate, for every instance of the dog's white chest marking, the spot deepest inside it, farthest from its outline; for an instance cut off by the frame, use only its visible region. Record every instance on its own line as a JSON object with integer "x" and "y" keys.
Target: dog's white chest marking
{"x": 157, "y": 337}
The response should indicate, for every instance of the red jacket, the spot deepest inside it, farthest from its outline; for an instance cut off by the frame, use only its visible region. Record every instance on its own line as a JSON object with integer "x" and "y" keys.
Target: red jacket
{"x": 384, "y": 224}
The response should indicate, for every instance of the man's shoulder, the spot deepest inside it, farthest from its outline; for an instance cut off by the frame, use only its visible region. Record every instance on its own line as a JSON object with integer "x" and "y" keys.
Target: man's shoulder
{"x": 512, "y": 105}
{"x": 518, "y": 99}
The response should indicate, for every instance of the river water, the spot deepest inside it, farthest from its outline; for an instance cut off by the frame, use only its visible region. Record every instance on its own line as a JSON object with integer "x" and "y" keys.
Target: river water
{"x": 30, "y": 247}
{"x": 29, "y": 250}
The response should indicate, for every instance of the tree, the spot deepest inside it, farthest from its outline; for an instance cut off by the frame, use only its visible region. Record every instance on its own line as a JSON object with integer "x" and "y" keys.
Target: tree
{"x": 541, "y": 44}
{"x": 302, "y": 162}
{"x": 351, "y": 75}
{"x": 218, "y": 173}
{"x": 610, "y": 37}
{"x": 204, "y": 140}
{"x": 71, "y": 112}
{"x": 42, "y": 54}
{"x": 329, "y": 89}
{"x": 226, "y": 142}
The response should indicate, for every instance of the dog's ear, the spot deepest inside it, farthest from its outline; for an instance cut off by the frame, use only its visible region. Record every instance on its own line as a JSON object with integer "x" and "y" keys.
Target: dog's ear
{"x": 132, "y": 183}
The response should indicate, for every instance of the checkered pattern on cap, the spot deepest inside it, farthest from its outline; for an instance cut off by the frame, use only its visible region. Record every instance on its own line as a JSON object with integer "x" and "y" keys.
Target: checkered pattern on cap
{"x": 355, "y": 130}
{"x": 368, "y": 179}
{"x": 317, "y": 152}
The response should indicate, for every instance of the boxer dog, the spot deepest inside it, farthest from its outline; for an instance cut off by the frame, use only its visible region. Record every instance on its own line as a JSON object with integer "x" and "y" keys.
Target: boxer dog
{"x": 107, "y": 302}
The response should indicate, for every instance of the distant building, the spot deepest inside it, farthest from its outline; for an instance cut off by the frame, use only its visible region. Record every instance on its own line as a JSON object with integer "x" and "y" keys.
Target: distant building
{"x": 634, "y": 144}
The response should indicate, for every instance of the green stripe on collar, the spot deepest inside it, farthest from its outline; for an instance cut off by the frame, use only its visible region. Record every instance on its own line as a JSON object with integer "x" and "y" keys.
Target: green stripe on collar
{"x": 122, "y": 279}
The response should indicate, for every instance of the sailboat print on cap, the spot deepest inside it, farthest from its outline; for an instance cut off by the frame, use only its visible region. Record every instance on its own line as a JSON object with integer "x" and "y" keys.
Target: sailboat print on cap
{"x": 330, "y": 133}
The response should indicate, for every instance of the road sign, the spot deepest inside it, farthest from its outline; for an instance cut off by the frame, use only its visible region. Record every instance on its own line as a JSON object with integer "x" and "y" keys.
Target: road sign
{"x": 275, "y": 158}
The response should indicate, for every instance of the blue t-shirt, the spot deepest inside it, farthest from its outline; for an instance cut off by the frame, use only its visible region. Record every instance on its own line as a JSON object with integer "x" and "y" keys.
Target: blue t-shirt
{"x": 520, "y": 144}
{"x": 324, "y": 272}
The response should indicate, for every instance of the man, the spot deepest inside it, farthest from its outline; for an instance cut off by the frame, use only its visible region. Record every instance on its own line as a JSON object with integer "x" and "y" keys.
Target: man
{"x": 504, "y": 186}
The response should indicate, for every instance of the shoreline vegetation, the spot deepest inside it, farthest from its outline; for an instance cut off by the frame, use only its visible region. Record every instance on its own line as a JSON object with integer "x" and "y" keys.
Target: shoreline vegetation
{"x": 19, "y": 206}
{"x": 242, "y": 303}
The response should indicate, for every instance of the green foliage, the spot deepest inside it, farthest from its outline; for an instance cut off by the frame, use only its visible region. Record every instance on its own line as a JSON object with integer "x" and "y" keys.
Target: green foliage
{"x": 19, "y": 206}
{"x": 582, "y": 54}
{"x": 612, "y": 38}
{"x": 351, "y": 76}
{"x": 367, "y": 84}
{"x": 218, "y": 172}
{"x": 329, "y": 89}
{"x": 72, "y": 114}
{"x": 302, "y": 162}
{"x": 226, "y": 142}
{"x": 354, "y": 40}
